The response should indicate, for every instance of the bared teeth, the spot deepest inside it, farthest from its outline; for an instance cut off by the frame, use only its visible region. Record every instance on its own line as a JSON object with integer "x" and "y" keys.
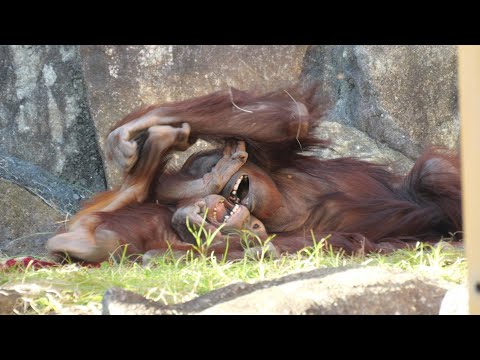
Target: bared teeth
{"x": 237, "y": 184}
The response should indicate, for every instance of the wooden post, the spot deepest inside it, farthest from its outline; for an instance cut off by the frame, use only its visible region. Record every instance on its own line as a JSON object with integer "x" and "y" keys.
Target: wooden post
{"x": 469, "y": 91}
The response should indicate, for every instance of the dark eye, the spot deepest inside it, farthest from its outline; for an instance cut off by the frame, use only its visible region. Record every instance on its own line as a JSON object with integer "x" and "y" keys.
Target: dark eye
{"x": 256, "y": 226}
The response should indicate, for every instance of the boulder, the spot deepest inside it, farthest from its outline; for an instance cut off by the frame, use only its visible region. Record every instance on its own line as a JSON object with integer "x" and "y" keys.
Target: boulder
{"x": 26, "y": 221}
{"x": 348, "y": 141}
{"x": 329, "y": 291}
{"x": 8, "y": 301}
{"x": 44, "y": 117}
{"x": 401, "y": 96}
{"x": 55, "y": 192}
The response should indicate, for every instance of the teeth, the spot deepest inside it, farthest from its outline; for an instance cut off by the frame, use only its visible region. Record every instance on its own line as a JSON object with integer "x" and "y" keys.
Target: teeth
{"x": 235, "y": 188}
{"x": 237, "y": 184}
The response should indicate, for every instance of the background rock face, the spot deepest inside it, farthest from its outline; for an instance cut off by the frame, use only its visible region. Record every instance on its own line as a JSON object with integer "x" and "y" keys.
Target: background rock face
{"x": 43, "y": 115}
{"x": 57, "y": 104}
{"x": 349, "y": 141}
{"x": 403, "y": 96}
{"x": 26, "y": 221}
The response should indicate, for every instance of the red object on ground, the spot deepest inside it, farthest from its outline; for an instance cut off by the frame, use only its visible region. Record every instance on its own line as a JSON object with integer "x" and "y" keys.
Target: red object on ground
{"x": 27, "y": 261}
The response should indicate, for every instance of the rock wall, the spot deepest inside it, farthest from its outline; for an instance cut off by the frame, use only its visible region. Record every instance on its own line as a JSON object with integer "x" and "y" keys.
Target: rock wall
{"x": 44, "y": 118}
{"x": 57, "y": 104}
{"x": 27, "y": 222}
{"x": 402, "y": 96}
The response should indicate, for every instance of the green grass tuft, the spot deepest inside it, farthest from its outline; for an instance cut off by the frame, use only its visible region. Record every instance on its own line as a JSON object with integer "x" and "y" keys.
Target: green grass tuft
{"x": 172, "y": 279}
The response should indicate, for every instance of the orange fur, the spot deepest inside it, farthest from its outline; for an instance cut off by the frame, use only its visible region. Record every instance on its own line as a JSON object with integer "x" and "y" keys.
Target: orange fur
{"x": 359, "y": 206}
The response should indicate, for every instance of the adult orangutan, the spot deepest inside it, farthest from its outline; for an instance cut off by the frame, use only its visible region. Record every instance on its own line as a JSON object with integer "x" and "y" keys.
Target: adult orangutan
{"x": 259, "y": 179}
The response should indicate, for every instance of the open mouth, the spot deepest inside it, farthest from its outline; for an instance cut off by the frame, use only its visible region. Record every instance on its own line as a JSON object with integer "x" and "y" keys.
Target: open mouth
{"x": 223, "y": 211}
{"x": 239, "y": 192}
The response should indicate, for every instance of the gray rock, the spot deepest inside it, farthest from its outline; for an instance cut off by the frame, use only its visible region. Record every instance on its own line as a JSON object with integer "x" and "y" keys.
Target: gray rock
{"x": 26, "y": 221}
{"x": 352, "y": 290}
{"x": 44, "y": 118}
{"x": 17, "y": 298}
{"x": 8, "y": 301}
{"x": 348, "y": 141}
{"x": 57, "y": 193}
{"x": 120, "y": 79}
{"x": 455, "y": 301}
{"x": 403, "y": 96}
{"x": 122, "y": 302}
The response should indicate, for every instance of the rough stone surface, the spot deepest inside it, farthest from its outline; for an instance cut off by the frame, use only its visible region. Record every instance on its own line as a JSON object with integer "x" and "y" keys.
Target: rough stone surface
{"x": 353, "y": 290}
{"x": 122, "y": 78}
{"x": 8, "y": 301}
{"x": 455, "y": 301}
{"x": 403, "y": 96}
{"x": 17, "y": 298}
{"x": 26, "y": 221}
{"x": 44, "y": 118}
{"x": 57, "y": 193}
{"x": 348, "y": 141}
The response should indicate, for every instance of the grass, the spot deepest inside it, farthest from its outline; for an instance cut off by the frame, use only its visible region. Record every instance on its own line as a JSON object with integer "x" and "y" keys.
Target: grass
{"x": 169, "y": 279}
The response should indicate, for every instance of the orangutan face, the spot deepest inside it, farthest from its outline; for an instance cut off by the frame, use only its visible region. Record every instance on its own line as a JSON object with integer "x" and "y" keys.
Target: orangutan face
{"x": 250, "y": 187}
{"x": 253, "y": 188}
